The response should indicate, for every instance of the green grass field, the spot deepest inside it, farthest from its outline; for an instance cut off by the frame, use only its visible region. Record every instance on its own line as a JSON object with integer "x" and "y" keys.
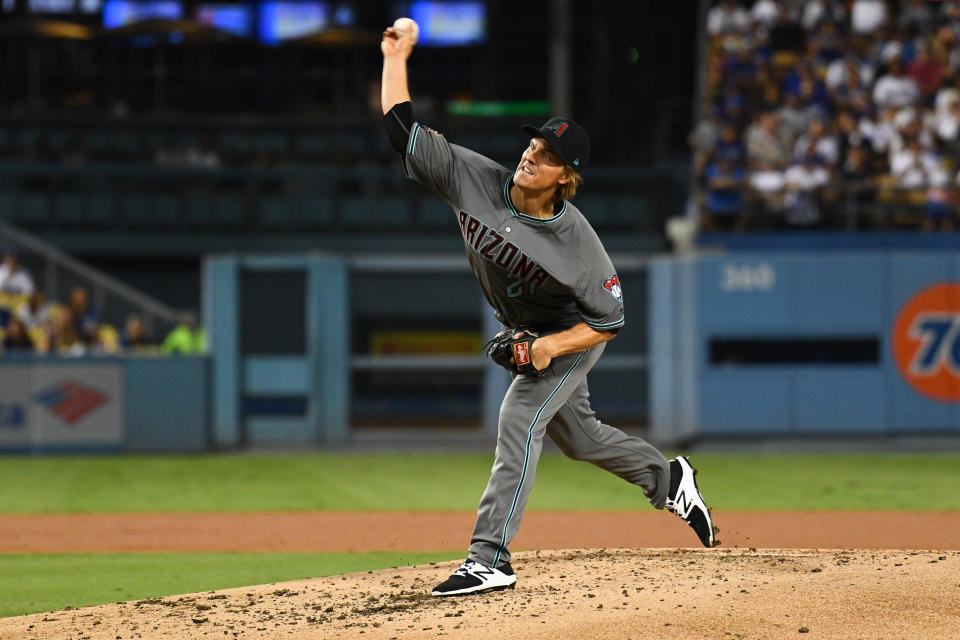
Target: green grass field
{"x": 353, "y": 482}
{"x": 33, "y": 582}
{"x": 453, "y": 482}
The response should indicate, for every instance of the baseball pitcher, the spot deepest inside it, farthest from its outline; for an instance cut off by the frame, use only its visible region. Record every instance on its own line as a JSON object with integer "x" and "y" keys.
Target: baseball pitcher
{"x": 551, "y": 284}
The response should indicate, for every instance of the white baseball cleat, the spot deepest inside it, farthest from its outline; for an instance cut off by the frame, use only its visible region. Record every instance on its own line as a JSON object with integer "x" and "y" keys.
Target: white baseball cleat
{"x": 684, "y": 499}
{"x": 473, "y": 577}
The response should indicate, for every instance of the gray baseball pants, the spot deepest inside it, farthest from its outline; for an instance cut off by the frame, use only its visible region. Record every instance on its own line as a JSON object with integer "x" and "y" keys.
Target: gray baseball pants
{"x": 558, "y": 404}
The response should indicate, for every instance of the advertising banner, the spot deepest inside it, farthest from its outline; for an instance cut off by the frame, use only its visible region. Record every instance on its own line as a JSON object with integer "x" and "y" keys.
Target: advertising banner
{"x": 77, "y": 405}
{"x": 15, "y": 406}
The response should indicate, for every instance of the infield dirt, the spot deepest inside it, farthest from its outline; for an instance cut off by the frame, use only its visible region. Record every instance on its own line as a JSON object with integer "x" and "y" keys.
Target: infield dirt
{"x": 603, "y": 594}
{"x": 625, "y": 591}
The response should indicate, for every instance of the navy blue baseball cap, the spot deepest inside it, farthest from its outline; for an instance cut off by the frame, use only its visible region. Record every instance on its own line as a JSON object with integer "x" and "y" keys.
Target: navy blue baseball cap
{"x": 567, "y": 139}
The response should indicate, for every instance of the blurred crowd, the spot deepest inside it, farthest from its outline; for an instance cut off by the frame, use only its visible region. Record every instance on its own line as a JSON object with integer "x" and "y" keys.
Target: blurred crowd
{"x": 830, "y": 113}
{"x": 29, "y": 323}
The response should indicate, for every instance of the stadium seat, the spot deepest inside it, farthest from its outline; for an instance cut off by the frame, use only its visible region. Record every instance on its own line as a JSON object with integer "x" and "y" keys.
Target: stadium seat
{"x": 59, "y": 139}
{"x": 316, "y": 210}
{"x": 234, "y": 143}
{"x": 228, "y": 210}
{"x": 350, "y": 143}
{"x": 135, "y": 210}
{"x": 8, "y": 205}
{"x": 100, "y": 210}
{"x": 124, "y": 143}
{"x": 629, "y": 210}
{"x": 312, "y": 145}
{"x": 375, "y": 211}
{"x": 435, "y": 213}
{"x": 28, "y": 139}
{"x": 71, "y": 208}
{"x": 95, "y": 142}
{"x": 166, "y": 210}
{"x": 596, "y": 209}
{"x": 199, "y": 207}
{"x": 277, "y": 211}
{"x": 32, "y": 208}
{"x": 272, "y": 142}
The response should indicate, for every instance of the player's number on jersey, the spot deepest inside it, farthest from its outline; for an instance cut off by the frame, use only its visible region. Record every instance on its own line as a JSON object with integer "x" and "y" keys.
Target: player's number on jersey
{"x": 515, "y": 289}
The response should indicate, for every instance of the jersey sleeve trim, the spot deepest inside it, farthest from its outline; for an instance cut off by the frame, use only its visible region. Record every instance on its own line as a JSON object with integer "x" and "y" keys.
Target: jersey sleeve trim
{"x": 605, "y": 326}
{"x": 413, "y": 139}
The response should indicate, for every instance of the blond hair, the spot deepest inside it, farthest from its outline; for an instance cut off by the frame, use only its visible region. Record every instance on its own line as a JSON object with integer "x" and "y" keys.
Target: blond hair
{"x": 568, "y": 189}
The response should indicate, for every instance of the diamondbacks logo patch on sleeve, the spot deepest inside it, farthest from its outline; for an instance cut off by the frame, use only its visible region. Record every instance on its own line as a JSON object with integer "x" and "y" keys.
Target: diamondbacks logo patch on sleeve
{"x": 612, "y": 284}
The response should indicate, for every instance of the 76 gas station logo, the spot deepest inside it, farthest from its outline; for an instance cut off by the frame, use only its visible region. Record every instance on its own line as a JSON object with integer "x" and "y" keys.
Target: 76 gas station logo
{"x": 939, "y": 336}
{"x": 926, "y": 342}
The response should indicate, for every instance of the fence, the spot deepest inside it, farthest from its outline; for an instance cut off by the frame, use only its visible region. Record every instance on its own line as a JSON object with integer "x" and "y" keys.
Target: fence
{"x": 307, "y": 376}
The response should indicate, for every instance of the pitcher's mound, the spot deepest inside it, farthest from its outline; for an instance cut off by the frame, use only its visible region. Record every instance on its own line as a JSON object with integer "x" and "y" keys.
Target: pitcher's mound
{"x": 620, "y": 593}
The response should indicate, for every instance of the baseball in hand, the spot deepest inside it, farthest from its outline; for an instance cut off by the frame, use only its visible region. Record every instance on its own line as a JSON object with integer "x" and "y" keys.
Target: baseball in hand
{"x": 407, "y": 28}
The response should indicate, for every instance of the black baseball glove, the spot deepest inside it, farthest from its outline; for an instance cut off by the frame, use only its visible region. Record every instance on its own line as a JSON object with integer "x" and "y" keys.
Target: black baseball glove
{"x": 512, "y": 349}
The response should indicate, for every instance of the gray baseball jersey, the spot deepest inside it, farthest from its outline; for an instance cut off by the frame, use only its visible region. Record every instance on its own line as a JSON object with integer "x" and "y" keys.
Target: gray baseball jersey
{"x": 548, "y": 274}
{"x": 544, "y": 273}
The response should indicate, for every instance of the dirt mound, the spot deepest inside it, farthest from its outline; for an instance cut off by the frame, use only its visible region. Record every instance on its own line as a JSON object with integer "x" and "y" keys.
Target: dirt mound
{"x": 604, "y": 594}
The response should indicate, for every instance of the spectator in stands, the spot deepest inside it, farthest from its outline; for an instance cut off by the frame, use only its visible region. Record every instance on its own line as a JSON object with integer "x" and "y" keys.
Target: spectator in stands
{"x": 65, "y": 340}
{"x": 871, "y": 118}
{"x": 895, "y": 43}
{"x": 739, "y": 70}
{"x": 867, "y": 16}
{"x": 945, "y": 120}
{"x": 765, "y": 93}
{"x": 945, "y": 43}
{"x": 927, "y": 71}
{"x": 804, "y": 181}
{"x": 787, "y": 36}
{"x": 907, "y": 167}
{"x": 859, "y": 178}
{"x": 186, "y": 338}
{"x": 948, "y": 95}
{"x": 724, "y": 199}
{"x": 816, "y": 12}
{"x": 812, "y": 93}
{"x": 85, "y": 322}
{"x": 767, "y": 185}
{"x": 915, "y": 16}
{"x": 878, "y": 130}
{"x": 15, "y": 280}
{"x": 794, "y": 117}
{"x": 826, "y": 44}
{"x": 766, "y": 143}
{"x": 816, "y": 142}
{"x": 940, "y": 212}
{"x": 16, "y": 337}
{"x": 702, "y": 140}
{"x": 727, "y": 18}
{"x": 894, "y": 89}
{"x": 846, "y": 79}
{"x": 134, "y": 336}
{"x": 765, "y": 13}
{"x": 728, "y": 146}
{"x": 36, "y": 316}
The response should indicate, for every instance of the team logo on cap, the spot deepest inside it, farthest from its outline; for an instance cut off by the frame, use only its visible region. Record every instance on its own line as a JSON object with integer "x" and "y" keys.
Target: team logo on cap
{"x": 926, "y": 342}
{"x": 558, "y": 127}
{"x": 612, "y": 284}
